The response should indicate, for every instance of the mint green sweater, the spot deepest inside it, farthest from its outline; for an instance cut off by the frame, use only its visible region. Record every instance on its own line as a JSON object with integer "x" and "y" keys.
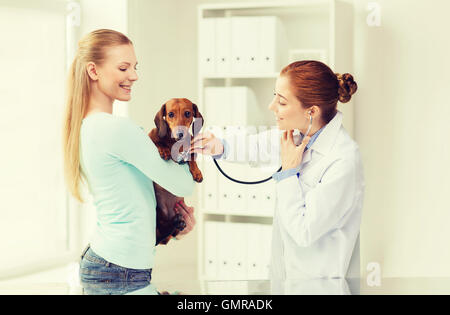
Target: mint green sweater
{"x": 120, "y": 163}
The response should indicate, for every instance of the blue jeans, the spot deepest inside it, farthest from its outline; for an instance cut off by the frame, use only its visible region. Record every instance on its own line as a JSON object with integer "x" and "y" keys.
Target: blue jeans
{"x": 101, "y": 277}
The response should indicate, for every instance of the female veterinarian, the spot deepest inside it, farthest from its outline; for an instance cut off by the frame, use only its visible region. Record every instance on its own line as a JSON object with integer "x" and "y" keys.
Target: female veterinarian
{"x": 320, "y": 187}
{"x": 119, "y": 162}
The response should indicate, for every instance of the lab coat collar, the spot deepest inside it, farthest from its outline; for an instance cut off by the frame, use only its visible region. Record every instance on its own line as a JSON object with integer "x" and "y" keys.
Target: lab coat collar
{"x": 327, "y": 137}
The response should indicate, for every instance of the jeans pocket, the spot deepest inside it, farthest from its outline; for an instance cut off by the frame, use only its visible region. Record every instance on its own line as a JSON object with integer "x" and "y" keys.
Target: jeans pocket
{"x": 96, "y": 276}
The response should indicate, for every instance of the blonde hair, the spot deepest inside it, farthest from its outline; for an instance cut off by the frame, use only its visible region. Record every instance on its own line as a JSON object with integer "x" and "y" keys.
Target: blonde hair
{"x": 91, "y": 48}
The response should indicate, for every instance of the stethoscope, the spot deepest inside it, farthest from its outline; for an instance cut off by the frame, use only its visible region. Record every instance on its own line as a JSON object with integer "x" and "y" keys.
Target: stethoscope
{"x": 184, "y": 155}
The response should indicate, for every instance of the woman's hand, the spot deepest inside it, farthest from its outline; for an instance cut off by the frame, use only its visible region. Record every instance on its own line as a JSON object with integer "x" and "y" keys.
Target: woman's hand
{"x": 188, "y": 216}
{"x": 291, "y": 155}
{"x": 207, "y": 144}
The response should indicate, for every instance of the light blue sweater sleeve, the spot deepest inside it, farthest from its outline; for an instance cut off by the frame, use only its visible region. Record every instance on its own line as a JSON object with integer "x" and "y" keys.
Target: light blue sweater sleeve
{"x": 131, "y": 144}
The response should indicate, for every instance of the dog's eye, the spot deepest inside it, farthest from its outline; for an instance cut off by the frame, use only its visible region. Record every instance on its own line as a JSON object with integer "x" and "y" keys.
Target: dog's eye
{"x": 171, "y": 114}
{"x": 187, "y": 114}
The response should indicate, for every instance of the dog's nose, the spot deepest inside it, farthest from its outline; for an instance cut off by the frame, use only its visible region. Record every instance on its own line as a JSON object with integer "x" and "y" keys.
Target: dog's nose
{"x": 180, "y": 135}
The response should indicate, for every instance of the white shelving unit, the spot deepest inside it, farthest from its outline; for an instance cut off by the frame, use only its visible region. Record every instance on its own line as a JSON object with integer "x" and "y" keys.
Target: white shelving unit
{"x": 308, "y": 26}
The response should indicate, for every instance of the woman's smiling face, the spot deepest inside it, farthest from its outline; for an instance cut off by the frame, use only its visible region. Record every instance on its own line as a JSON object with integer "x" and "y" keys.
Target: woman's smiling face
{"x": 117, "y": 73}
{"x": 288, "y": 110}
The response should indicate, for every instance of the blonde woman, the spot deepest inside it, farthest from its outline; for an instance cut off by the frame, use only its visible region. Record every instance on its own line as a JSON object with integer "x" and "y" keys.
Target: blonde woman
{"x": 118, "y": 162}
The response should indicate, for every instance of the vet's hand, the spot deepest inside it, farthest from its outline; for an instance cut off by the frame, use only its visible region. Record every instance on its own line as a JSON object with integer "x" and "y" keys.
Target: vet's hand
{"x": 188, "y": 216}
{"x": 291, "y": 155}
{"x": 207, "y": 144}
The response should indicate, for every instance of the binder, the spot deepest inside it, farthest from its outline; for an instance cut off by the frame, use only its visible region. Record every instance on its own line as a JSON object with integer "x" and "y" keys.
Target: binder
{"x": 210, "y": 185}
{"x": 238, "y": 257}
{"x": 224, "y": 250}
{"x": 253, "y": 252}
{"x": 273, "y": 41}
{"x": 268, "y": 197}
{"x": 223, "y": 46}
{"x": 244, "y": 44}
{"x": 253, "y": 199}
{"x": 265, "y": 247}
{"x": 244, "y": 107}
{"x": 225, "y": 195}
{"x": 211, "y": 247}
{"x": 217, "y": 103}
{"x": 207, "y": 32}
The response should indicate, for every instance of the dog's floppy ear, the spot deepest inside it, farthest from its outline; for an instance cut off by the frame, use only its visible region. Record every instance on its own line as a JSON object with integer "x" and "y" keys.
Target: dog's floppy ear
{"x": 161, "y": 123}
{"x": 197, "y": 126}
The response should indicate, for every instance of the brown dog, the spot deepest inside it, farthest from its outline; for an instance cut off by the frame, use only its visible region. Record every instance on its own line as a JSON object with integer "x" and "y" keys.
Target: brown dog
{"x": 172, "y": 127}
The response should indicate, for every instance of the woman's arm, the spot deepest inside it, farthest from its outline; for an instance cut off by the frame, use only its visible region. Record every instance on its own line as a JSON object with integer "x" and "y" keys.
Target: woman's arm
{"x": 261, "y": 149}
{"x": 307, "y": 217}
{"x": 130, "y": 143}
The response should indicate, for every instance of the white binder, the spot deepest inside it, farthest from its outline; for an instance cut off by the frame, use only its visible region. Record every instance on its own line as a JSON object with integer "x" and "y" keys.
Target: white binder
{"x": 207, "y": 32}
{"x": 244, "y": 107}
{"x": 217, "y": 101}
{"x": 272, "y": 43}
{"x": 224, "y": 250}
{"x": 253, "y": 199}
{"x": 210, "y": 254}
{"x": 238, "y": 241}
{"x": 223, "y": 46}
{"x": 225, "y": 195}
{"x": 244, "y": 44}
{"x": 265, "y": 249}
{"x": 210, "y": 185}
{"x": 253, "y": 252}
{"x": 268, "y": 197}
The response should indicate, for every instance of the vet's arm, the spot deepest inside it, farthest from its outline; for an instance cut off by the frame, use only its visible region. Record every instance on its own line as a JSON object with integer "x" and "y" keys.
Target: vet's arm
{"x": 261, "y": 149}
{"x": 130, "y": 143}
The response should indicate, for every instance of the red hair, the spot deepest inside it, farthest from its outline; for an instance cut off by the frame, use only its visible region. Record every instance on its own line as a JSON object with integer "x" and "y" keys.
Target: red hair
{"x": 314, "y": 83}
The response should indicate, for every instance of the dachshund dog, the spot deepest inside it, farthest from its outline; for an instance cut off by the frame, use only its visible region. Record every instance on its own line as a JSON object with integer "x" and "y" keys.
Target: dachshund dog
{"x": 172, "y": 127}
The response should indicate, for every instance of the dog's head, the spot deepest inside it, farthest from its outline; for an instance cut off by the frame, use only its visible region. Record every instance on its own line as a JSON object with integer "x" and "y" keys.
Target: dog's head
{"x": 176, "y": 116}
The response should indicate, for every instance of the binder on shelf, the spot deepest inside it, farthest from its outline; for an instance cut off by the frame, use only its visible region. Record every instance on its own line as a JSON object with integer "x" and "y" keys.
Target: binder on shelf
{"x": 210, "y": 185}
{"x": 225, "y": 195}
{"x": 218, "y": 106}
{"x": 245, "y": 41}
{"x": 207, "y": 32}
{"x": 224, "y": 249}
{"x": 232, "y": 106}
{"x": 273, "y": 44}
{"x": 268, "y": 197}
{"x": 223, "y": 46}
{"x": 238, "y": 259}
{"x": 253, "y": 252}
{"x": 245, "y": 109}
{"x": 266, "y": 242}
{"x": 210, "y": 249}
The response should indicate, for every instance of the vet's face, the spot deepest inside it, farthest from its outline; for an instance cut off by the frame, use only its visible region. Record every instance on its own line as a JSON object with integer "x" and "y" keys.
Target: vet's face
{"x": 116, "y": 75}
{"x": 288, "y": 110}
{"x": 179, "y": 117}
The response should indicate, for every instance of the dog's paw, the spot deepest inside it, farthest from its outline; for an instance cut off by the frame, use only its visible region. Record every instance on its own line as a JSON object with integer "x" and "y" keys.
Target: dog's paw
{"x": 178, "y": 222}
{"x": 164, "y": 153}
{"x": 198, "y": 177}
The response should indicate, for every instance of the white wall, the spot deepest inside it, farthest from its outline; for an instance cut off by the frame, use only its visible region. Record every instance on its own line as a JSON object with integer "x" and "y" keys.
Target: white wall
{"x": 402, "y": 111}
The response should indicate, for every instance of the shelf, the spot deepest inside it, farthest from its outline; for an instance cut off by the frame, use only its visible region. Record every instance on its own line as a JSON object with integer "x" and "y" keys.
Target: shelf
{"x": 242, "y": 76}
{"x": 238, "y": 213}
{"x": 262, "y": 5}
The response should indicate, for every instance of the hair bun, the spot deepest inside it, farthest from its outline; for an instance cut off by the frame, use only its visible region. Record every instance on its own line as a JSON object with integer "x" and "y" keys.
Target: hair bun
{"x": 347, "y": 87}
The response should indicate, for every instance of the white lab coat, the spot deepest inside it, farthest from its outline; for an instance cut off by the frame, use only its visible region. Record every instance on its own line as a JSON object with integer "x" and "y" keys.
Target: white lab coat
{"x": 317, "y": 217}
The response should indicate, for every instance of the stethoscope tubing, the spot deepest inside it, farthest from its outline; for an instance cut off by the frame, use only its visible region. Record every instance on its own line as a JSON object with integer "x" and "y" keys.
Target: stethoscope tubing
{"x": 259, "y": 181}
